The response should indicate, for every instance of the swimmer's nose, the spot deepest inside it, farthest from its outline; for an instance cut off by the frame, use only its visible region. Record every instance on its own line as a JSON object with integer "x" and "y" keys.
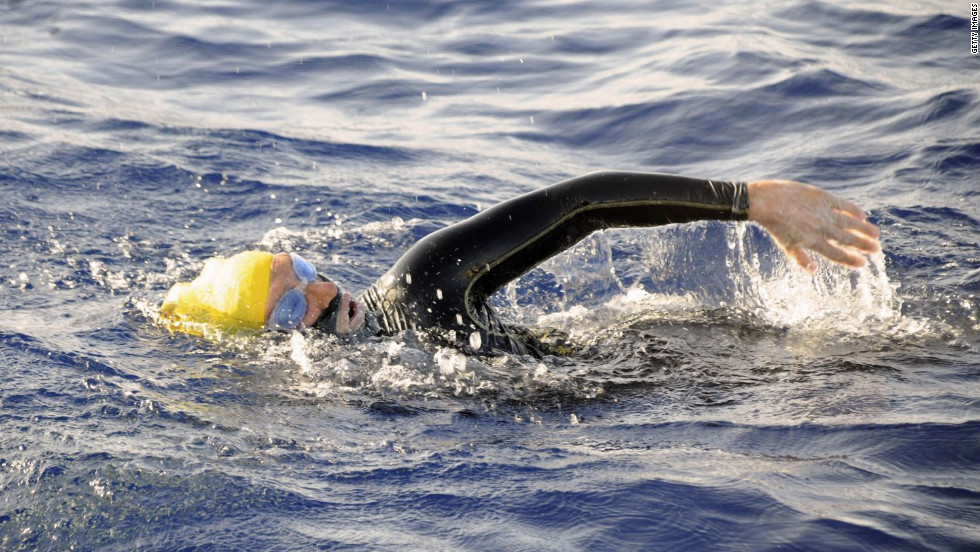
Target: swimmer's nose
{"x": 318, "y": 297}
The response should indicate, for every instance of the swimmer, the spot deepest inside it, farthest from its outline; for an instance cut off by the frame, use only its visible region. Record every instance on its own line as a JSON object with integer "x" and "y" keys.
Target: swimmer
{"x": 441, "y": 286}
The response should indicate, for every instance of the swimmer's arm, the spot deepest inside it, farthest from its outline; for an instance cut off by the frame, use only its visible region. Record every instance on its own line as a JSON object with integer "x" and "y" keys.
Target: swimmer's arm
{"x": 800, "y": 217}
{"x": 518, "y": 234}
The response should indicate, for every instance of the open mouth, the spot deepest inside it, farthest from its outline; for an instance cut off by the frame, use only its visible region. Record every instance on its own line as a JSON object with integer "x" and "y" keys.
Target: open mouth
{"x": 343, "y": 315}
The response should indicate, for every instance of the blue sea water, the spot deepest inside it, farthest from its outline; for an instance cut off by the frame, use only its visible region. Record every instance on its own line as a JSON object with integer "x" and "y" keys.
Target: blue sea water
{"x": 726, "y": 401}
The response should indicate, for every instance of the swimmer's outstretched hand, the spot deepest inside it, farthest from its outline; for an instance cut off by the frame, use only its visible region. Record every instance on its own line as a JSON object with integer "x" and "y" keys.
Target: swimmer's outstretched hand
{"x": 801, "y": 217}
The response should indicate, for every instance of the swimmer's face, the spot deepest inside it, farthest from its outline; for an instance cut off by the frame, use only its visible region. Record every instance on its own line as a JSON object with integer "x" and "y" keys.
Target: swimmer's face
{"x": 318, "y": 296}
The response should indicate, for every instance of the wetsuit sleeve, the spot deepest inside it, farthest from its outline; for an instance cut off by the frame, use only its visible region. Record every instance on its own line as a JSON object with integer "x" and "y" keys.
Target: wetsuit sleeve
{"x": 518, "y": 234}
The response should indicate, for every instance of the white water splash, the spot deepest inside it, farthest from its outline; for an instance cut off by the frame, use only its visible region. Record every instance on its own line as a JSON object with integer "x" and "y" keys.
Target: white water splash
{"x": 688, "y": 272}
{"x": 834, "y": 297}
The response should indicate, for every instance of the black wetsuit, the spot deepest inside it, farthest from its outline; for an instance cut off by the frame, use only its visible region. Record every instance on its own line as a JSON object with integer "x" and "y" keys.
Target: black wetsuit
{"x": 440, "y": 287}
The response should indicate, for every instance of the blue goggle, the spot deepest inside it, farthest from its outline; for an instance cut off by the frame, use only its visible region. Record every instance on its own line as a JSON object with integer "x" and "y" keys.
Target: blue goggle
{"x": 291, "y": 308}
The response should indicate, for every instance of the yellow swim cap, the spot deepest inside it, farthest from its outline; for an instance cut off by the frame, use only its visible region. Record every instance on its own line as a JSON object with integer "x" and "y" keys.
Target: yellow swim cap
{"x": 230, "y": 294}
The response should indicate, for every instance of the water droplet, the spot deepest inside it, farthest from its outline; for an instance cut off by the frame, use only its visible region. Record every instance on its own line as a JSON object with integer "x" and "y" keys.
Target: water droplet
{"x": 450, "y": 361}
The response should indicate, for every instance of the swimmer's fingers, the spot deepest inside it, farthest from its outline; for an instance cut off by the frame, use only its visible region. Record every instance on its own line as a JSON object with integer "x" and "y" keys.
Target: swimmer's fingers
{"x": 800, "y": 256}
{"x": 829, "y": 248}
{"x": 860, "y": 225}
{"x": 842, "y": 242}
{"x": 855, "y": 234}
{"x": 841, "y": 204}
{"x": 856, "y": 241}
{"x": 839, "y": 252}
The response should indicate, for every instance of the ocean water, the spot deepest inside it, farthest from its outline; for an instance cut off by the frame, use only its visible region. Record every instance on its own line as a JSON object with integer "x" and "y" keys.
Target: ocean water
{"x": 723, "y": 400}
